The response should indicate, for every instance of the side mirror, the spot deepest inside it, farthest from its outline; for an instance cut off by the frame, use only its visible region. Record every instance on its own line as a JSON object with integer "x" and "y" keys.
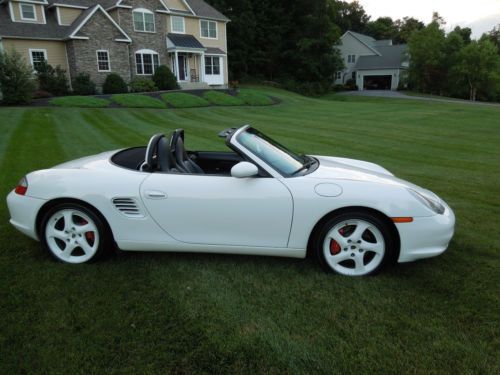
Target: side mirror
{"x": 244, "y": 169}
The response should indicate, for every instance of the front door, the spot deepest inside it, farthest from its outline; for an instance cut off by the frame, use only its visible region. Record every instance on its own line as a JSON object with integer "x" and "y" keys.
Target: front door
{"x": 220, "y": 210}
{"x": 182, "y": 61}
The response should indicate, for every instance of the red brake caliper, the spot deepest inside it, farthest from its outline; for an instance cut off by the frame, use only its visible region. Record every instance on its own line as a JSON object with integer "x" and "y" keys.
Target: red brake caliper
{"x": 88, "y": 235}
{"x": 334, "y": 246}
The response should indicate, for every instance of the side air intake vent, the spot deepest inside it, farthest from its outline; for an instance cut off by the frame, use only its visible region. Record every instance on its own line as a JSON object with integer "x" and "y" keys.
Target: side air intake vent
{"x": 128, "y": 207}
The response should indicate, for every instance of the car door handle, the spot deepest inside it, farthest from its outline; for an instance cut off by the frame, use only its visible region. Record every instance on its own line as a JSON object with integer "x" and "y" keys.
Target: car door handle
{"x": 155, "y": 194}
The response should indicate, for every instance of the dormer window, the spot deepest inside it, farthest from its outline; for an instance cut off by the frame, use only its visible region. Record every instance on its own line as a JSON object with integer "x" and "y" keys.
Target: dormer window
{"x": 177, "y": 24}
{"x": 27, "y": 11}
{"x": 144, "y": 20}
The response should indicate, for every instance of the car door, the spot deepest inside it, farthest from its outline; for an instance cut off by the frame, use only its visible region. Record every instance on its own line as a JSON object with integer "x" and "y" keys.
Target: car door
{"x": 220, "y": 210}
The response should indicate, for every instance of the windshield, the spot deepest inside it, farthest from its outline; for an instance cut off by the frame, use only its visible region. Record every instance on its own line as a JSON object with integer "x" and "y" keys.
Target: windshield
{"x": 277, "y": 156}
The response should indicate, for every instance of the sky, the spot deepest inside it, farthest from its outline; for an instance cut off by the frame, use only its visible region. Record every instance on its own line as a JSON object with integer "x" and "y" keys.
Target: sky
{"x": 479, "y": 15}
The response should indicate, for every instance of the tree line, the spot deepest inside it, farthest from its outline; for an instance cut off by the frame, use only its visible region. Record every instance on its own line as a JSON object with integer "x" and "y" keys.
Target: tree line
{"x": 293, "y": 43}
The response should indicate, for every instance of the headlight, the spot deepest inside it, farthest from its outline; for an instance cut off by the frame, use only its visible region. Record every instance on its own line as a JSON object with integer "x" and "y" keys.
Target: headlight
{"x": 428, "y": 201}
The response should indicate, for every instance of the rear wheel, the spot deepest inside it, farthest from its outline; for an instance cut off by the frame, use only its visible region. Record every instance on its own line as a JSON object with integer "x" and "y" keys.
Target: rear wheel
{"x": 354, "y": 244}
{"x": 73, "y": 233}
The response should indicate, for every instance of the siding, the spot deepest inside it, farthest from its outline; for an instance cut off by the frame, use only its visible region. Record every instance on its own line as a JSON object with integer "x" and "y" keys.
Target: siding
{"x": 193, "y": 28}
{"x": 176, "y": 4}
{"x": 68, "y": 15}
{"x": 56, "y": 51}
{"x": 16, "y": 13}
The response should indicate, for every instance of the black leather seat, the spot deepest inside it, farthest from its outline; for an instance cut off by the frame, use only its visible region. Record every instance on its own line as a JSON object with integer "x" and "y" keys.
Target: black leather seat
{"x": 181, "y": 159}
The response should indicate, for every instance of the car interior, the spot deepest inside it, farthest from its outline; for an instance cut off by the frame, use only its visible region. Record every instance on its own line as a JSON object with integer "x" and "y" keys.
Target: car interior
{"x": 169, "y": 155}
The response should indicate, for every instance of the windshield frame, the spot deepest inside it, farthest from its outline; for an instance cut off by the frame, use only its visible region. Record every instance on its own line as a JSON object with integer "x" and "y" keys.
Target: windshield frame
{"x": 233, "y": 142}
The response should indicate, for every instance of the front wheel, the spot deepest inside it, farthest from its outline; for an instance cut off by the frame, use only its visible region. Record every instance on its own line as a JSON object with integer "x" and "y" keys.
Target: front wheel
{"x": 354, "y": 244}
{"x": 72, "y": 233}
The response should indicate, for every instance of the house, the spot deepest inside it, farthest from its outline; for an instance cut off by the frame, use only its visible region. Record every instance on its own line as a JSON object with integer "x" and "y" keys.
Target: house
{"x": 128, "y": 37}
{"x": 373, "y": 64}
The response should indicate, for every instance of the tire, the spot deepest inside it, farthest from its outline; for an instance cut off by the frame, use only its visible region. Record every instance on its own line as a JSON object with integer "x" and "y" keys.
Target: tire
{"x": 73, "y": 233}
{"x": 354, "y": 243}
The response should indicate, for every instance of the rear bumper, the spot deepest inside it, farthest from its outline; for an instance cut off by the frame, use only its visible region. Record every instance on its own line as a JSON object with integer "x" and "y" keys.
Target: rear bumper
{"x": 426, "y": 237}
{"x": 23, "y": 211}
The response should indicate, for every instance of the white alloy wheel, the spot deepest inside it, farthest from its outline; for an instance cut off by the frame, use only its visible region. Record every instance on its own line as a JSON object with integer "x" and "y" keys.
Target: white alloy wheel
{"x": 72, "y": 236}
{"x": 354, "y": 247}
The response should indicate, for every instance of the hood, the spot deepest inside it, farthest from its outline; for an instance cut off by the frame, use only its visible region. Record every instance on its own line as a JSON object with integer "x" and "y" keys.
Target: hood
{"x": 356, "y": 170}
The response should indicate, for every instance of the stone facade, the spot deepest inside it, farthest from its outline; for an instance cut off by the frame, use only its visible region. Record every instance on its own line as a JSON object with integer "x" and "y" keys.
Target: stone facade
{"x": 145, "y": 40}
{"x": 102, "y": 33}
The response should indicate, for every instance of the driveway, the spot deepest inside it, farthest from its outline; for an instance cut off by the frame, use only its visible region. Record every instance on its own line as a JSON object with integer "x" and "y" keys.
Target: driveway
{"x": 402, "y": 95}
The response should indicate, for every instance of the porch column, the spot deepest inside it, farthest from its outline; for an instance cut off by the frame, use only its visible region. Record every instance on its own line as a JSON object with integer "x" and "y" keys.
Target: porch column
{"x": 177, "y": 65}
{"x": 202, "y": 67}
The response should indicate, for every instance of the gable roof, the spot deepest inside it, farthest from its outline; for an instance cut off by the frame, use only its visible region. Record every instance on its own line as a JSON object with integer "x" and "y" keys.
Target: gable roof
{"x": 52, "y": 30}
{"x": 49, "y": 31}
{"x": 202, "y": 9}
{"x": 87, "y": 15}
{"x": 391, "y": 57}
{"x": 368, "y": 41}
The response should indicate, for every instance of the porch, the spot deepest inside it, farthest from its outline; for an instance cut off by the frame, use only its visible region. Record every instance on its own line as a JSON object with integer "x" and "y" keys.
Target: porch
{"x": 195, "y": 66}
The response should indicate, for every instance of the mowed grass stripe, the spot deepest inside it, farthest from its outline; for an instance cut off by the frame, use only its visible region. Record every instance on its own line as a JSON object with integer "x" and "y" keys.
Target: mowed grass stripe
{"x": 195, "y": 313}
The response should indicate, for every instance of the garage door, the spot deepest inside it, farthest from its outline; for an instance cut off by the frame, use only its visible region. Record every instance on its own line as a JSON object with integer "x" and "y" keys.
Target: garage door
{"x": 377, "y": 82}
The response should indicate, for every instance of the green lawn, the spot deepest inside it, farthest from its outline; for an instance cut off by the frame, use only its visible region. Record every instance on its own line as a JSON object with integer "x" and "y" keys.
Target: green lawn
{"x": 183, "y": 100}
{"x": 137, "y": 101}
{"x": 80, "y": 101}
{"x": 222, "y": 99}
{"x": 254, "y": 97}
{"x": 151, "y": 313}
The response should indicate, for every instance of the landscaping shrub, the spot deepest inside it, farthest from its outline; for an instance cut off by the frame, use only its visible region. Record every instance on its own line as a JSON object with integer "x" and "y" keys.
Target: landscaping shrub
{"x": 165, "y": 79}
{"x": 308, "y": 88}
{"x": 114, "y": 84}
{"x": 53, "y": 80}
{"x": 142, "y": 85}
{"x": 220, "y": 98}
{"x": 83, "y": 85}
{"x": 16, "y": 78}
{"x": 350, "y": 85}
{"x": 183, "y": 100}
{"x": 137, "y": 101}
{"x": 338, "y": 87}
{"x": 80, "y": 101}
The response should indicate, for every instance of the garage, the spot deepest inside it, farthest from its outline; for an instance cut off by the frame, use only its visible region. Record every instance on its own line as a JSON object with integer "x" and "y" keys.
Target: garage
{"x": 378, "y": 82}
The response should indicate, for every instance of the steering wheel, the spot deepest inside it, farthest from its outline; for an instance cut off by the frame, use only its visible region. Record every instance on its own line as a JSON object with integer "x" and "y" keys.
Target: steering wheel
{"x": 149, "y": 162}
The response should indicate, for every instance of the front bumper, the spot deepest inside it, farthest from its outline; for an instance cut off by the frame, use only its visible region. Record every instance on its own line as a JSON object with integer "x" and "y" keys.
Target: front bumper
{"x": 23, "y": 211}
{"x": 426, "y": 237}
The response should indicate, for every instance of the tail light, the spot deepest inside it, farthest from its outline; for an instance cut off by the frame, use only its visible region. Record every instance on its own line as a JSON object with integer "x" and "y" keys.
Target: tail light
{"x": 22, "y": 186}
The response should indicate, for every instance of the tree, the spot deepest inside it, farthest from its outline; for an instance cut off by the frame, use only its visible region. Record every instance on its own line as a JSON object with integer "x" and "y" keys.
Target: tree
{"x": 382, "y": 28}
{"x": 479, "y": 63}
{"x": 494, "y": 37}
{"x": 427, "y": 71}
{"x": 349, "y": 16}
{"x": 406, "y": 27}
{"x": 17, "y": 82}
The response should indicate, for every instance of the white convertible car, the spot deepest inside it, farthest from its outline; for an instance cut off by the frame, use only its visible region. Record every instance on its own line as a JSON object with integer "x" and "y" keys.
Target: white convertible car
{"x": 259, "y": 198}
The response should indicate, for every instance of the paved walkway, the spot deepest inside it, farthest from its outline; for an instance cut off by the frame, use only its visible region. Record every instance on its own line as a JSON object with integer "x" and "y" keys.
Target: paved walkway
{"x": 402, "y": 95}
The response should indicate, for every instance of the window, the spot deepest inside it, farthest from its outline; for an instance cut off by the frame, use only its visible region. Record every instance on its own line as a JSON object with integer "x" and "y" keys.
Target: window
{"x": 208, "y": 29}
{"x": 146, "y": 62}
{"x": 351, "y": 59}
{"x": 103, "y": 61}
{"x": 212, "y": 65}
{"x": 177, "y": 24}
{"x": 144, "y": 20}
{"x": 27, "y": 12}
{"x": 338, "y": 75}
{"x": 37, "y": 56}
